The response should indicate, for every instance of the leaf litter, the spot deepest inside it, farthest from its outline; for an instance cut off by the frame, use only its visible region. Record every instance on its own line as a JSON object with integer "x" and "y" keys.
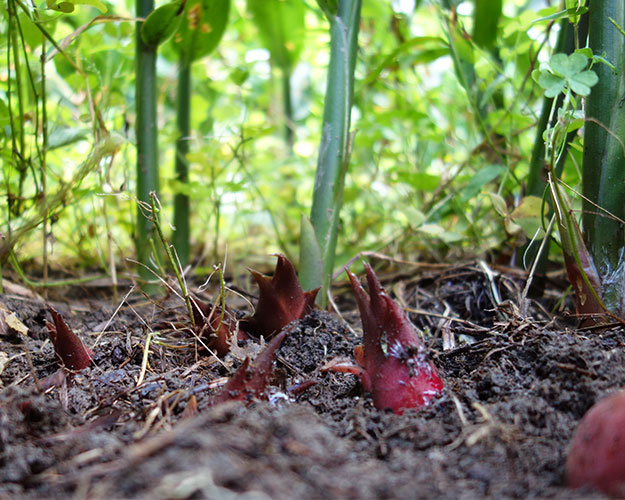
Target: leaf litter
{"x": 515, "y": 389}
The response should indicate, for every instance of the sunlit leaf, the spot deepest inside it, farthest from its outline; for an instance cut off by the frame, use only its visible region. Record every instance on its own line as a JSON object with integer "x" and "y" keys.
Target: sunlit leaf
{"x": 499, "y": 204}
{"x": 528, "y": 215}
{"x": 60, "y": 137}
{"x": 68, "y": 6}
{"x": 201, "y": 29}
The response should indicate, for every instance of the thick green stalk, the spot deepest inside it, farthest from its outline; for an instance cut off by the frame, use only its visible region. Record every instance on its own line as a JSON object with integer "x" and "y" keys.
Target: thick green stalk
{"x": 604, "y": 156}
{"x": 147, "y": 144}
{"x": 181, "y": 236}
{"x": 333, "y": 158}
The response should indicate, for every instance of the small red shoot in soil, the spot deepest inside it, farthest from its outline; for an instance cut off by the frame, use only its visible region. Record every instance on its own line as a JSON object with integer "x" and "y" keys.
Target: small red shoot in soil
{"x": 249, "y": 383}
{"x": 67, "y": 345}
{"x": 281, "y": 300}
{"x": 392, "y": 362}
{"x": 218, "y": 332}
{"x": 596, "y": 457}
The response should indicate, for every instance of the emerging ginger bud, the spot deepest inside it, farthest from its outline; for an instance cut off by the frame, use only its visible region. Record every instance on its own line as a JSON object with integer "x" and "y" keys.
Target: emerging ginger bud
{"x": 281, "y": 301}
{"x": 393, "y": 359}
{"x": 67, "y": 345}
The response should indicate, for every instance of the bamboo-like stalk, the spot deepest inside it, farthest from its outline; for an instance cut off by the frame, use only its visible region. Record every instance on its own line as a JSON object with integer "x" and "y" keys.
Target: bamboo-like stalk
{"x": 604, "y": 149}
{"x": 333, "y": 158}
{"x": 146, "y": 131}
{"x": 181, "y": 237}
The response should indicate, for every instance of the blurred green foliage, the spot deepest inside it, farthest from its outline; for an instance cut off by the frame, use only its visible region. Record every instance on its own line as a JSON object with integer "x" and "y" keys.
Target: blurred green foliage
{"x": 425, "y": 155}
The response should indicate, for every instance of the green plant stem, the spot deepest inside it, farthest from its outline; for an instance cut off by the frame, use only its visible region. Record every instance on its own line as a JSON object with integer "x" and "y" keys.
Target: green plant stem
{"x": 289, "y": 128}
{"x": 21, "y": 152}
{"x": 43, "y": 157}
{"x": 181, "y": 237}
{"x": 604, "y": 156}
{"x": 536, "y": 183}
{"x": 147, "y": 142}
{"x": 106, "y": 147}
{"x": 537, "y": 177}
{"x": 333, "y": 158}
{"x": 170, "y": 256}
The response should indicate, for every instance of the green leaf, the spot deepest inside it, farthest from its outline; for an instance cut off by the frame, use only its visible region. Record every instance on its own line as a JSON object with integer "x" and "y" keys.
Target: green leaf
{"x": 31, "y": 33}
{"x": 4, "y": 114}
{"x": 440, "y": 232}
{"x": 570, "y": 65}
{"x": 601, "y": 59}
{"x": 571, "y": 14}
{"x": 281, "y": 27}
{"x": 203, "y": 25}
{"x": 499, "y": 204}
{"x": 528, "y": 215}
{"x": 478, "y": 180}
{"x": 586, "y": 51}
{"x": 93, "y": 3}
{"x": 162, "y": 23}
{"x": 419, "y": 180}
{"x": 581, "y": 83}
{"x": 60, "y": 137}
{"x": 566, "y": 70}
{"x": 552, "y": 84}
{"x": 68, "y": 6}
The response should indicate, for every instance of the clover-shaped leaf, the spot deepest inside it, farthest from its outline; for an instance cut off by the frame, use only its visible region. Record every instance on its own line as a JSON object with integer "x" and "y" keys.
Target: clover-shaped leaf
{"x": 582, "y": 82}
{"x": 568, "y": 66}
{"x": 552, "y": 84}
{"x": 566, "y": 71}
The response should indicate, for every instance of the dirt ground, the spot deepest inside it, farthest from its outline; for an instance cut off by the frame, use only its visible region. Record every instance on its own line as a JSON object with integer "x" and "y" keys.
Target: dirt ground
{"x": 515, "y": 387}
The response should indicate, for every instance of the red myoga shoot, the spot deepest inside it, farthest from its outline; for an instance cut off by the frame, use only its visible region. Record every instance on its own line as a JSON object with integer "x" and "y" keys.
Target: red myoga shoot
{"x": 67, "y": 345}
{"x": 281, "y": 300}
{"x": 250, "y": 382}
{"x": 392, "y": 362}
{"x": 596, "y": 457}
{"x": 218, "y": 332}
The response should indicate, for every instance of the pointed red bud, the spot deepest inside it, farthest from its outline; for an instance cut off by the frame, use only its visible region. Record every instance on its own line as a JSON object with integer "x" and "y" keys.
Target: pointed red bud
{"x": 217, "y": 332}
{"x": 249, "y": 383}
{"x": 67, "y": 345}
{"x": 281, "y": 300}
{"x": 395, "y": 366}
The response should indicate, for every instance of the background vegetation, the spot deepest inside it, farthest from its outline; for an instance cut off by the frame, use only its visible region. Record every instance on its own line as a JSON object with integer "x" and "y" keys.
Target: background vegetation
{"x": 444, "y": 124}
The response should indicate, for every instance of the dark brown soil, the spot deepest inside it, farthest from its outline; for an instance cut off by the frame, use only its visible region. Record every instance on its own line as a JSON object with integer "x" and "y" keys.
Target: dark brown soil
{"x": 515, "y": 389}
